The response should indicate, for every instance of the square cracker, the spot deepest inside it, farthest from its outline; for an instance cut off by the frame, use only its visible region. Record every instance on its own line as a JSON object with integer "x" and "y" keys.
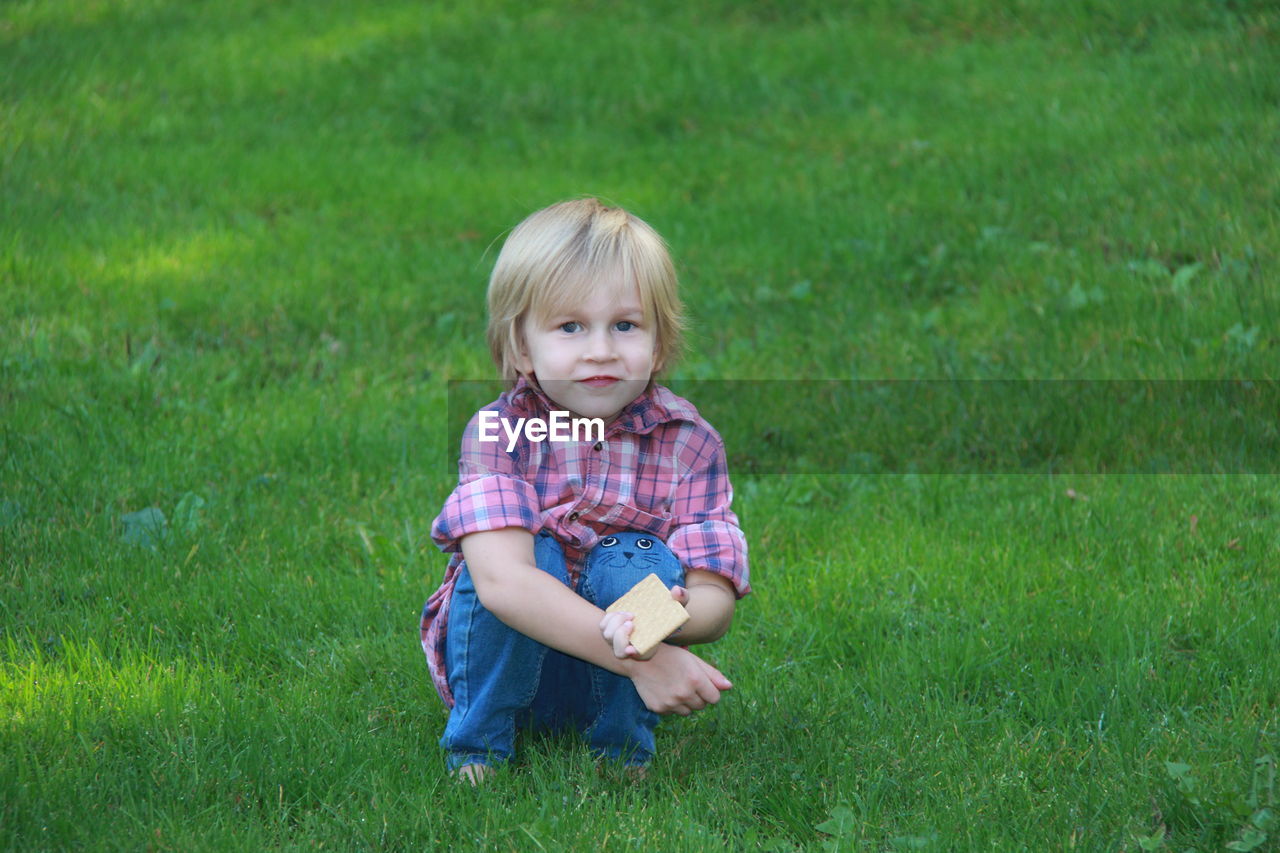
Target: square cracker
{"x": 656, "y": 613}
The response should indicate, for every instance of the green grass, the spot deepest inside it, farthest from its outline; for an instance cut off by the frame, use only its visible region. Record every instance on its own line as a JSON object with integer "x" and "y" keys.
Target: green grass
{"x": 243, "y": 246}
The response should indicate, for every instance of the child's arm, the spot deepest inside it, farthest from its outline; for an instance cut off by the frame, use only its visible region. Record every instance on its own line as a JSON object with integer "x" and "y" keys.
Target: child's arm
{"x": 710, "y": 600}
{"x": 510, "y": 585}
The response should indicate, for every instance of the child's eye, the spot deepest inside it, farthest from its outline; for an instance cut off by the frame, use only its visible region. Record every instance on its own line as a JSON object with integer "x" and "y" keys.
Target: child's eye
{"x": 624, "y": 325}
{"x": 570, "y": 327}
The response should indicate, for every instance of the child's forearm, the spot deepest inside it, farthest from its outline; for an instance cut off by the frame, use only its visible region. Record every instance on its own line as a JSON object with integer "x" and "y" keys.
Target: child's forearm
{"x": 711, "y": 604}
{"x": 512, "y": 588}
{"x": 543, "y": 609}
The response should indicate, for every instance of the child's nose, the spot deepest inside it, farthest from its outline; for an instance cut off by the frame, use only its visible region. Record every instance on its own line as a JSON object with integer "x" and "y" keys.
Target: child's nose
{"x": 599, "y": 345}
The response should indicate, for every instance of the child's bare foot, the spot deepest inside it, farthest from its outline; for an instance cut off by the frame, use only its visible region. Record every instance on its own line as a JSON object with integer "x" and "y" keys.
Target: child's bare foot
{"x": 473, "y": 773}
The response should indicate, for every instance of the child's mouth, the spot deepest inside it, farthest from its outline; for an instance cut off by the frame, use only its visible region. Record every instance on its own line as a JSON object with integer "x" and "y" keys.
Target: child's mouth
{"x": 599, "y": 381}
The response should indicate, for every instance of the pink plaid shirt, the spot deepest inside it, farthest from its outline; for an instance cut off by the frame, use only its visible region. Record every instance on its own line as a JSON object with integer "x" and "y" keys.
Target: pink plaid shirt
{"x": 660, "y": 469}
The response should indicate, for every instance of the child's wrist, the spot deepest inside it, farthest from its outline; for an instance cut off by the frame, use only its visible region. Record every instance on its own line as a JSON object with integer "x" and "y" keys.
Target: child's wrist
{"x": 629, "y": 666}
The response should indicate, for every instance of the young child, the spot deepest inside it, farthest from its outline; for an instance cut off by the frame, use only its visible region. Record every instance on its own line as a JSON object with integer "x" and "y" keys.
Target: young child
{"x": 583, "y": 312}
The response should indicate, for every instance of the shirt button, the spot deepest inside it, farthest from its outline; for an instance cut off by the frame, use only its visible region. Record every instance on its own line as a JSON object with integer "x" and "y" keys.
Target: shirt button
{"x": 573, "y": 516}
{"x": 599, "y": 445}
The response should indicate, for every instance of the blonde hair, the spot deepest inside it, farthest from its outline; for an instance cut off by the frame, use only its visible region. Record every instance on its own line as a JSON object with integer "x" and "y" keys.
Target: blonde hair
{"x": 557, "y": 255}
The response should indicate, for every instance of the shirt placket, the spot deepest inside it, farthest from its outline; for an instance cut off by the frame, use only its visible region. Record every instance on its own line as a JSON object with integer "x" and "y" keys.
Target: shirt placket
{"x": 598, "y": 468}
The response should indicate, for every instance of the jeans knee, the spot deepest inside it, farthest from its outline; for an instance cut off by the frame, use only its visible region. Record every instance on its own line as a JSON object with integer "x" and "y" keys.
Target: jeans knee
{"x": 621, "y": 560}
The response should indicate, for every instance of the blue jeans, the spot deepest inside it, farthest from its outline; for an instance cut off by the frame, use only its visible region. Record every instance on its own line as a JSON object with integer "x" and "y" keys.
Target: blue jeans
{"x": 500, "y": 678}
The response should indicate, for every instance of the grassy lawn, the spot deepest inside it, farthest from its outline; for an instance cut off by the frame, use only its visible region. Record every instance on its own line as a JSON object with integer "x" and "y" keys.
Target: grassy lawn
{"x": 243, "y": 248}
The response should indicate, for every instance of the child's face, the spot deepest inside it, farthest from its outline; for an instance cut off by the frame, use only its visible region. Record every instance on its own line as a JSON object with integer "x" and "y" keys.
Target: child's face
{"x": 595, "y": 358}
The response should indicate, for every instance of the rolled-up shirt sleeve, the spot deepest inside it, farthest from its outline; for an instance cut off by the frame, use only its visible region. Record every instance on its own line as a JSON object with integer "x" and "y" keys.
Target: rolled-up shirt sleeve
{"x": 705, "y": 533}
{"x": 489, "y": 495}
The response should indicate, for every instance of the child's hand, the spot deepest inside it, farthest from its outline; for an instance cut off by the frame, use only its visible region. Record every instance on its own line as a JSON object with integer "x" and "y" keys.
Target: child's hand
{"x": 616, "y": 628}
{"x": 677, "y": 681}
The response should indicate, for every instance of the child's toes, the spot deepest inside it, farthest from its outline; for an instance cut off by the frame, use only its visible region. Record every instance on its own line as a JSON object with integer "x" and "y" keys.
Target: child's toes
{"x": 473, "y": 773}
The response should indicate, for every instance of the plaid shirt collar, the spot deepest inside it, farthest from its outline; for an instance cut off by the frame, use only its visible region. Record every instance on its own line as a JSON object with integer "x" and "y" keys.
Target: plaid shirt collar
{"x": 654, "y": 407}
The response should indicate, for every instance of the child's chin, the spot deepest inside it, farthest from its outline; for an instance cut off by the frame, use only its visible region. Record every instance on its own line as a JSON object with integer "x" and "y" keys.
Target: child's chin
{"x": 604, "y": 409}
{"x": 593, "y": 413}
